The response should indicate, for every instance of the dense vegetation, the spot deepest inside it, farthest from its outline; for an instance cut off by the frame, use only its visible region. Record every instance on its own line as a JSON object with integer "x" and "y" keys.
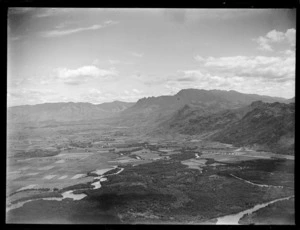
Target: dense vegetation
{"x": 265, "y": 126}
{"x": 36, "y": 153}
{"x": 271, "y": 127}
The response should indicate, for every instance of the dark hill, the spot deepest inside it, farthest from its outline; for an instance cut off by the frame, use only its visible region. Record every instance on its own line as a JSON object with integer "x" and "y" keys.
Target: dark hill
{"x": 267, "y": 126}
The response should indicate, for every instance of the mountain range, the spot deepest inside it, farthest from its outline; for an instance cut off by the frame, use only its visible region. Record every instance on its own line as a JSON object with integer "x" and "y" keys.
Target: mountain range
{"x": 260, "y": 125}
{"x": 65, "y": 112}
{"x": 263, "y": 122}
{"x": 154, "y": 110}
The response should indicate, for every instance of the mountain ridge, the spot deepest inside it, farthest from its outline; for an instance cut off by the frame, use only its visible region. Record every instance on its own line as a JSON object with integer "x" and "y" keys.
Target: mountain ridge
{"x": 260, "y": 125}
{"x": 146, "y": 111}
{"x": 65, "y": 111}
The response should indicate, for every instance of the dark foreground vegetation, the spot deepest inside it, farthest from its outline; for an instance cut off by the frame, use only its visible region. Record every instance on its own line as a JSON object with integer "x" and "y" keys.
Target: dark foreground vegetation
{"x": 166, "y": 191}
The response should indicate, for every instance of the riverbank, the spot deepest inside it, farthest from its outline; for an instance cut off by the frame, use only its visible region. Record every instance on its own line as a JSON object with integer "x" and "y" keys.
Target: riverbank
{"x": 235, "y": 218}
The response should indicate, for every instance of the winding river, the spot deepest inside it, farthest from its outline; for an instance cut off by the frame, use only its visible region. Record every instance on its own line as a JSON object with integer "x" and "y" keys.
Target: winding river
{"x": 70, "y": 194}
{"x": 101, "y": 178}
{"x": 233, "y": 219}
{"x": 259, "y": 185}
{"x": 67, "y": 194}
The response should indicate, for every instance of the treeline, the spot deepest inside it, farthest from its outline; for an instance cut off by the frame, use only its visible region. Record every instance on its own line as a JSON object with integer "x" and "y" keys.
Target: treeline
{"x": 37, "y": 153}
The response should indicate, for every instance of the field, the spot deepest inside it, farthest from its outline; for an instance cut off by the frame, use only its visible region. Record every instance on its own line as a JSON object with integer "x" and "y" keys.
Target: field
{"x": 95, "y": 176}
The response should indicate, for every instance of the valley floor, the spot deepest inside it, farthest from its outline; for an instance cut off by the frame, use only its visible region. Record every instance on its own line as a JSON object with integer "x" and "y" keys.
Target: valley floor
{"x": 116, "y": 177}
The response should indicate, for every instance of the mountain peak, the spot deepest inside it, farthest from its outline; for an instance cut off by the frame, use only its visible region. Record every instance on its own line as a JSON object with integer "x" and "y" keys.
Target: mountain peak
{"x": 190, "y": 90}
{"x": 256, "y": 104}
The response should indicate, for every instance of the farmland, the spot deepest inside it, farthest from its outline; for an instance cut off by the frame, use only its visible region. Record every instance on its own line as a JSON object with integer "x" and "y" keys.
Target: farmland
{"x": 110, "y": 178}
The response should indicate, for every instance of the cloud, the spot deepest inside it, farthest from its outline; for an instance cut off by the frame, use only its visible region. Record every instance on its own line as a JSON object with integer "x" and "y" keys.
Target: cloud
{"x": 96, "y": 62}
{"x": 93, "y": 96}
{"x": 187, "y": 78}
{"x": 264, "y": 44}
{"x": 59, "y": 33}
{"x": 19, "y": 10}
{"x": 275, "y": 36}
{"x": 290, "y": 35}
{"x": 267, "y": 75}
{"x": 65, "y": 24}
{"x": 209, "y": 81}
{"x": 132, "y": 92}
{"x": 252, "y": 66}
{"x": 82, "y": 74}
{"x": 64, "y": 32}
{"x": 136, "y": 91}
{"x": 48, "y": 12}
{"x": 28, "y": 96}
{"x": 137, "y": 54}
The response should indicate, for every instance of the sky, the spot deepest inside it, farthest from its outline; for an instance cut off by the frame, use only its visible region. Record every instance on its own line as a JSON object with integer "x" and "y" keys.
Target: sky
{"x": 101, "y": 55}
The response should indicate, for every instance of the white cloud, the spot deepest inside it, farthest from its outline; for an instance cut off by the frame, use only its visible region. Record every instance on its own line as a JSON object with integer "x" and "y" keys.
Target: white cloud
{"x": 93, "y": 96}
{"x": 275, "y": 36}
{"x": 21, "y": 96}
{"x": 291, "y": 36}
{"x": 84, "y": 71}
{"x": 110, "y": 22}
{"x": 65, "y": 24}
{"x": 64, "y": 32}
{"x": 133, "y": 92}
{"x": 208, "y": 81}
{"x": 252, "y": 66}
{"x": 82, "y": 74}
{"x": 137, "y": 91}
{"x": 47, "y": 12}
{"x": 96, "y": 62}
{"x": 288, "y": 52}
{"x": 264, "y": 44}
{"x": 19, "y": 10}
{"x": 58, "y": 33}
{"x": 265, "y": 75}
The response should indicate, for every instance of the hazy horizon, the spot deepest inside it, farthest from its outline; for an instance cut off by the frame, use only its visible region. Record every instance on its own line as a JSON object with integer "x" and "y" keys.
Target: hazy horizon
{"x": 131, "y": 101}
{"x": 104, "y": 55}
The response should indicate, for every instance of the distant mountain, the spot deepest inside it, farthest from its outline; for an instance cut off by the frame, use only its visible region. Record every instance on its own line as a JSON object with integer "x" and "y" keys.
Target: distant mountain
{"x": 266, "y": 126}
{"x": 65, "y": 111}
{"x": 154, "y": 110}
{"x": 291, "y": 100}
{"x": 145, "y": 113}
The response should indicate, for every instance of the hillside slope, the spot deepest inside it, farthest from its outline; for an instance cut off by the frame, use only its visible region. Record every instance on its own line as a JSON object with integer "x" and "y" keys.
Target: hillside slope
{"x": 155, "y": 110}
{"x": 266, "y": 126}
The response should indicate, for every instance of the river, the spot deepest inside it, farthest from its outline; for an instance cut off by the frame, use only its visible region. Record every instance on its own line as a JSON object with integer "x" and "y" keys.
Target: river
{"x": 101, "y": 178}
{"x": 67, "y": 194}
{"x": 233, "y": 219}
{"x": 70, "y": 194}
{"x": 259, "y": 185}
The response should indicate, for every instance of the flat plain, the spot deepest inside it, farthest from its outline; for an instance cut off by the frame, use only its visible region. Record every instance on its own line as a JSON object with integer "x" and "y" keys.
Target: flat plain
{"x": 91, "y": 176}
